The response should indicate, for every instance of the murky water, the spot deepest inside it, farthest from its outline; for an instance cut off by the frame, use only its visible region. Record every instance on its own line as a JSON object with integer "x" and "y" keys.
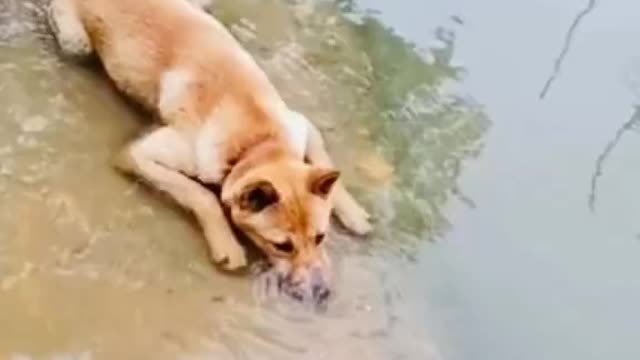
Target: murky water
{"x": 531, "y": 200}
{"x": 545, "y": 266}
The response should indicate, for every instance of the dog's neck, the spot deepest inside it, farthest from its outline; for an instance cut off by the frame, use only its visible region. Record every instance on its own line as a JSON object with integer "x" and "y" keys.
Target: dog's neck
{"x": 267, "y": 143}
{"x": 264, "y": 150}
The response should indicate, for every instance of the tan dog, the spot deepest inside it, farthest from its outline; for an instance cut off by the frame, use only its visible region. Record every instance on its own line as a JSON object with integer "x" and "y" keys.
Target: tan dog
{"x": 223, "y": 123}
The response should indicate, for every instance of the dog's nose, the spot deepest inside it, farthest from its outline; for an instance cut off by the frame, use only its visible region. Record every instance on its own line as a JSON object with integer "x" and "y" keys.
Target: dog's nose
{"x": 319, "y": 287}
{"x": 320, "y": 291}
{"x": 314, "y": 287}
{"x": 321, "y": 294}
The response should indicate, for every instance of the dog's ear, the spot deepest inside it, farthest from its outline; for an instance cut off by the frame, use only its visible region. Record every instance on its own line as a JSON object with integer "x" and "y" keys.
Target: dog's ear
{"x": 257, "y": 196}
{"x": 321, "y": 181}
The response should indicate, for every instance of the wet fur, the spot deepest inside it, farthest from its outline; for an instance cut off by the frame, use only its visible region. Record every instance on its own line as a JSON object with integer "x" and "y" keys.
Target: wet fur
{"x": 222, "y": 122}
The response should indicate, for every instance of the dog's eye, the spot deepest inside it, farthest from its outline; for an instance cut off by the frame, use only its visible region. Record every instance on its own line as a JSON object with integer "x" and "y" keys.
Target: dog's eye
{"x": 285, "y": 247}
{"x": 319, "y": 239}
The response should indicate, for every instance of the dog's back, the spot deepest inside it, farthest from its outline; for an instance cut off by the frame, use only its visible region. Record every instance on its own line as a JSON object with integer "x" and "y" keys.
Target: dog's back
{"x": 140, "y": 41}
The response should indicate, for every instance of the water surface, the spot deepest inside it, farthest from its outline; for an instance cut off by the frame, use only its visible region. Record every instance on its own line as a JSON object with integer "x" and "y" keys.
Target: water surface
{"x": 545, "y": 265}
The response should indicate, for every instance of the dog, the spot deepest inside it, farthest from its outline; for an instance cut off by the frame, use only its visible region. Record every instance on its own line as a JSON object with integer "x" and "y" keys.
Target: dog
{"x": 223, "y": 123}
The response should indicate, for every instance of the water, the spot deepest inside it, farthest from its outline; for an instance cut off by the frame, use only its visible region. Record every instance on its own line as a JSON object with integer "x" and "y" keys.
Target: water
{"x": 491, "y": 241}
{"x": 533, "y": 272}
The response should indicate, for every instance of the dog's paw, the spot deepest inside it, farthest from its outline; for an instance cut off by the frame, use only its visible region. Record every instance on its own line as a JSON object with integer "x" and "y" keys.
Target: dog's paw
{"x": 228, "y": 254}
{"x": 68, "y": 30}
{"x": 355, "y": 218}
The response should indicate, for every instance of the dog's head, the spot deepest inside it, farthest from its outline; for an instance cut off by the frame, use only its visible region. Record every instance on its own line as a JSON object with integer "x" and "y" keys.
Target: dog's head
{"x": 284, "y": 207}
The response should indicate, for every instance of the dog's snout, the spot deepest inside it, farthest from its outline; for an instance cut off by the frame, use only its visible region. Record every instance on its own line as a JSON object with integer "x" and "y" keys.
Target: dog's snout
{"x": 319, "y": 288}
{"x": 320, "y": 293}
{"x": 313, "y": 286}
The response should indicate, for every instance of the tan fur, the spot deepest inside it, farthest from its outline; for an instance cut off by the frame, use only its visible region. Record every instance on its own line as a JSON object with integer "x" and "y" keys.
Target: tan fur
{"x": 224, "y": 123}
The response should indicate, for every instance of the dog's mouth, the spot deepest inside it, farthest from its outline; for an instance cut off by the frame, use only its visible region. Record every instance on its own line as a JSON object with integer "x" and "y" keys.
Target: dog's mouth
{"x": 313, "y": 294}
{"x": 277, "y": 278}
{"x": 273, "y": 283}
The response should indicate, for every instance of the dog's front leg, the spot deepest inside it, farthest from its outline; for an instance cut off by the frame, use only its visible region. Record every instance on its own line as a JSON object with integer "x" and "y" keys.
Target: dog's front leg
{"x": 346, "y": 208}
{"x": 162, "y": 158}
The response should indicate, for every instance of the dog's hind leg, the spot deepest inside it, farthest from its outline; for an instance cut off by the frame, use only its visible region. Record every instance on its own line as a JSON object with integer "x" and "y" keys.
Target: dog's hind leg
{"x": 68, "y": 29}
{"x": 162, "y": 158}
{"x": 346, "y": 208}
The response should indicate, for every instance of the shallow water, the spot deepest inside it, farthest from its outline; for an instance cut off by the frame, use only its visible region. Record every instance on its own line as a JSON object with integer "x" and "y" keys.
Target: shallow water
{"x": 491, "y": 241}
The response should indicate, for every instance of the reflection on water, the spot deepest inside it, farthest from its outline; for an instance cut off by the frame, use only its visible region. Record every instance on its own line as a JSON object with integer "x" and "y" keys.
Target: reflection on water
{"x": 557, "y": 65}
{"x": 95, "y": 266}
{"x": 627, "y": 126}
